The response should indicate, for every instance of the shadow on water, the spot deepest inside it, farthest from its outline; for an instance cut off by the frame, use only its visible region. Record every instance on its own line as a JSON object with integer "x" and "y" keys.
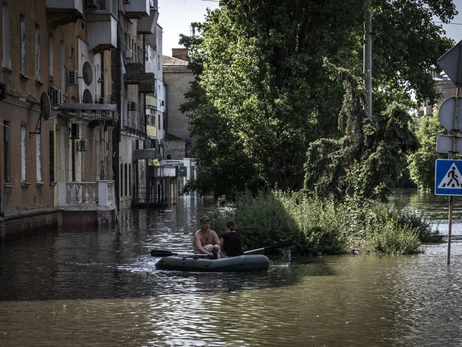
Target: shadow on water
{"x": 100, "y": 288}
{"x": 104, "y": 264}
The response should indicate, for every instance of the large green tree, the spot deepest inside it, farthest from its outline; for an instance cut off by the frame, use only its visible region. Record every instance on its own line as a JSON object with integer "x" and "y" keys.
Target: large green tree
{"x": 422, "y": 161}
{"x": 263, "y": 93}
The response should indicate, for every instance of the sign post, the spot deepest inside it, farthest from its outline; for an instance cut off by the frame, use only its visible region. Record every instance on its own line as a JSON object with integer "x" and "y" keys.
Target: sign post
{"x": 451, "y": 63}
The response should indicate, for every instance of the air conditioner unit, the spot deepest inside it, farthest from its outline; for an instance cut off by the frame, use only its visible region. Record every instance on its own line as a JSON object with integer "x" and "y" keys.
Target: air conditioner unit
{"x": 93, "y": 4}
{"x": 128, "y": 53}
{"x": 73, "y": 77}
{"x": 83, "y": 145}
{"x": 56, "y": 96}
{"x": 75, "y": 131}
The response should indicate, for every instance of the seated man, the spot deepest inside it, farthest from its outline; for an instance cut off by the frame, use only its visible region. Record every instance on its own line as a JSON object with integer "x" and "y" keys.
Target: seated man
{"x": 206, "y": 240}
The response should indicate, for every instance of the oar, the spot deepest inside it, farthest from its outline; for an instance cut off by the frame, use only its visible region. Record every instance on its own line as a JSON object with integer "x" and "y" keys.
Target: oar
{"x": 165, "y": 253}
{"x": 287, "y": 243}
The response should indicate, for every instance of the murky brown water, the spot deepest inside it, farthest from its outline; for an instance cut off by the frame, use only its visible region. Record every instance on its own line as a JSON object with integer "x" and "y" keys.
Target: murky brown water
{"x": 101, "y": 288}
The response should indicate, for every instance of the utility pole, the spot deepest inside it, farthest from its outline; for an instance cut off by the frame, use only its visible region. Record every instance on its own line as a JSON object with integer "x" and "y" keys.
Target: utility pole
{"x": 367, "y": 60}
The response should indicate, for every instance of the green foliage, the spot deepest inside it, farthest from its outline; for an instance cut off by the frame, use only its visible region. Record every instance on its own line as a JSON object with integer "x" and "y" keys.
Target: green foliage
{"x": 263, "y": 91}
{"x": 401, "y": 30}
{"x": 324, "y": 226}
{"x": 263, "y": 219}
{"x": 384, "y": 229}
{"x": 421, "y": 163}
{"x": 387, "y": 144}
{"x": 393, "y": 240}
{"x": 369, "y": 159}
{"x": 153, "y": 162}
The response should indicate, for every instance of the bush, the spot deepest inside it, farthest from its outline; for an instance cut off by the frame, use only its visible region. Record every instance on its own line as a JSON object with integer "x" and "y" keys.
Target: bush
{"x": 322, "y": 226}
{"x": 394, "y": 240}
{"x": 263, "y": 219}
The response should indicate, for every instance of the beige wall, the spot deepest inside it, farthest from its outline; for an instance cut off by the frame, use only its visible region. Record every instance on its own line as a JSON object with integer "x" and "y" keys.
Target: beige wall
{"x": 178, "y": 83}
{"x": 22, "y": 108}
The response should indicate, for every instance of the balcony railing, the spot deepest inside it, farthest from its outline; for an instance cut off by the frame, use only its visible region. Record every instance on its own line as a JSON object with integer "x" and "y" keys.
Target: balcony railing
{"x": 134, "y": 73}
{"x": 98, "y": 195}
{"x": 147, "y": 25}
{"x": 62, "y": 12}
{"x": 89, "y": 112}
{"x": 136, "y": 9}
{"x": 148, "y": 83}
{"x": 101, "y": 31}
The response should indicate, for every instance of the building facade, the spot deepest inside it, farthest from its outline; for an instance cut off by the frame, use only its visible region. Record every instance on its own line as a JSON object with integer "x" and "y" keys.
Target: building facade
{"x": 84, "y": 115}
{"x": 178, "y": 141}
{"x": 73, "y": 92}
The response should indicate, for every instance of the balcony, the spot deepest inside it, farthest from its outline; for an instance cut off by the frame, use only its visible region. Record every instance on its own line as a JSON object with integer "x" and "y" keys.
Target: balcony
{"x": 148, "y": 83}
{"x": 87, "y": 203}
{"x": 86, "y": 195}
{"x": 89, "y": 112}
{"x": 134, "y": 73}
{"x": 136, "y": 9}
{"x": 62, "y": 12}
{"x": 101, "y": 31}
{"x": 147, "y": 25}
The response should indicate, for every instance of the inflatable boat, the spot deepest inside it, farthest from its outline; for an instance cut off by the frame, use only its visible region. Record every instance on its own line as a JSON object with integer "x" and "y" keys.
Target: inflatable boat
{"x": 242, "y": 263}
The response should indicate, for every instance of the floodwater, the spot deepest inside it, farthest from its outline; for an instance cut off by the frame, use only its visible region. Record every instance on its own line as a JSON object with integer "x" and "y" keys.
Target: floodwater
{"x": 101, "y": 288}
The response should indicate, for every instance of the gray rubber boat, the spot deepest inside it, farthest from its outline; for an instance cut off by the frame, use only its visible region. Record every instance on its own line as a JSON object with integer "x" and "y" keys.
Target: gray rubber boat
{"x": 242, "y": 263}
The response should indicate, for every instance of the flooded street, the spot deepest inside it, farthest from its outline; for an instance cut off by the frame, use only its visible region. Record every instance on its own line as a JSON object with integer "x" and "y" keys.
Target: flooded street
{"x": 101, "y": 288}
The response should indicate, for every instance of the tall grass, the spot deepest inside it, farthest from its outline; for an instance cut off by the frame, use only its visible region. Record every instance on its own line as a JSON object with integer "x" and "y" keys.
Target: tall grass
{"x": 323, "y": 226}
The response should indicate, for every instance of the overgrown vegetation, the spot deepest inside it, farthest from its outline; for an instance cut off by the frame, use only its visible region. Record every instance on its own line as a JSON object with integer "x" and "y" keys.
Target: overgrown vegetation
{"x": 278, "y": 101}
{"x": 321, "y": 226}
{"x": 422, "y": 162}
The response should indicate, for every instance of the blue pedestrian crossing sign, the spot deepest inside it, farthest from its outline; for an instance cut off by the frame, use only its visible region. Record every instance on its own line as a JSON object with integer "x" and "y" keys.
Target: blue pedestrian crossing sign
{"x": 448, "y": 177}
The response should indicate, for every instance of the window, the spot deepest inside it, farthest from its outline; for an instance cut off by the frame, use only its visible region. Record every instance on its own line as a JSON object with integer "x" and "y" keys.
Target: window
{"x": 23, "y": 153}
{"x": 37, "y": 53}
{"x": 6, "y": 60}
{"x": 38, "y": 157}
{"x": 22, "y": 45}
{"x": 52, "y": 156}
{"x": 6, "y": 150}
{"x": 52, "y": 56}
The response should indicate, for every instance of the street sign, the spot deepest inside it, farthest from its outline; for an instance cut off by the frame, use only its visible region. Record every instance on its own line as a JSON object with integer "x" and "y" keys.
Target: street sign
{"x": 444, "y": 144}
{"x": 448, "y": 180}
{"x": 447, "y": 114}
{"x": 450, "y": 63}
{"x": 448, "y": 177}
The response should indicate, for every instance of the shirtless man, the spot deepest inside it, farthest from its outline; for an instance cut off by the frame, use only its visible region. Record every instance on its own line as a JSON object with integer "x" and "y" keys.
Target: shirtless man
{"x": 206, "y": 240}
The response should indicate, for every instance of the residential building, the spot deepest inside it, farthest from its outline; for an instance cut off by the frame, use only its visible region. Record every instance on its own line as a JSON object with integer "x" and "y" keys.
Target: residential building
{"x": 54, "y": 68}
{"x": 83, "y": 109}
{"x": 178, "y": 141}
{"x": 138, "y": 23}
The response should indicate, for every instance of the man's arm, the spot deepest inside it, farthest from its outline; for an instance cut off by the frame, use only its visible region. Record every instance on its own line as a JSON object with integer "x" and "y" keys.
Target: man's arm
{"x": 216, "y": 239}
{"x": 198, "y": 244}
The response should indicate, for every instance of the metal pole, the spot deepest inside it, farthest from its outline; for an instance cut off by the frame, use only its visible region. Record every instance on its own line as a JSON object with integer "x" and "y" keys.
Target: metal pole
{"x": 367, "y": 60}
{"x": 451, "y": 205}
{"x": 450, "y": 156}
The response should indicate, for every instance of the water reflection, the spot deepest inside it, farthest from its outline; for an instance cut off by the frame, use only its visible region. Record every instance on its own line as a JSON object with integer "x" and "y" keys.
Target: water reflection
{"x": 434, "y": 207}
{"x": 101, "y": 287}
